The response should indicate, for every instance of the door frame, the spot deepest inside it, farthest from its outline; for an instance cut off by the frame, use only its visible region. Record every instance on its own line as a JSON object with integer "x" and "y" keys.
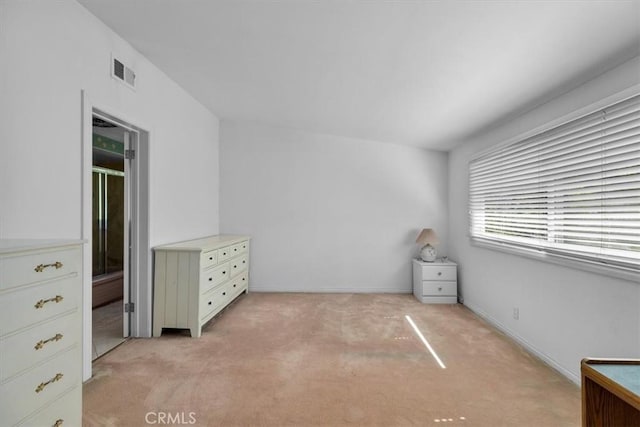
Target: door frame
{"x": 140, "y": 291}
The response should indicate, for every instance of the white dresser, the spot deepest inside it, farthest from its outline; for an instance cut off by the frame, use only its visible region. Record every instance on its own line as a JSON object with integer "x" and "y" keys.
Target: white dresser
{"x": 435, "y": 282}
{"x": 195, "y": 279}
{"x": 40, "y": 333}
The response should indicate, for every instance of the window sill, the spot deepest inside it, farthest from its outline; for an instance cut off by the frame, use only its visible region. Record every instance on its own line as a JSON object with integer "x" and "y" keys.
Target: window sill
{"x": 563, "y": 260}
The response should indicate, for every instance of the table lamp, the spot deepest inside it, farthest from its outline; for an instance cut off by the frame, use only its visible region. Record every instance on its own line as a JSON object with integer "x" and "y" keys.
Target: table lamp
{"x": 426, "y": 238}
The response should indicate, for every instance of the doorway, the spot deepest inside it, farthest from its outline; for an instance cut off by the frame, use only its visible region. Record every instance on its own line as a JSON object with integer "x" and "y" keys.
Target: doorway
{"x": 110, "y": 249}
{"x": 137, "y": 255}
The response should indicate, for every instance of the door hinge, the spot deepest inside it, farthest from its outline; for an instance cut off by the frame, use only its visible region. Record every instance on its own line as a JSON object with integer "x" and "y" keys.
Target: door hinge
{"x": 129, "y": 307}
{"x": 129, "y": 154}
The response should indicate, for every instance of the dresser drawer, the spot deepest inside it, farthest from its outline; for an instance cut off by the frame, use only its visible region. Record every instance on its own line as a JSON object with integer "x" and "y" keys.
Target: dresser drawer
{"x": 214, "y": 299}
{"x": 213, "y": 277}
{"x": 24, "y": 307}
{"x": 65, "y": 411}
{"x": 238, "y": 249}
{"x": 436, "y": 288}
{"x": 238, "y": 264}
{"x": 33, "y": 267}
{"x": 439, "y": 272}
{"x": 243, "y": 280}
{"x": 225, "y": 253}
{"x": 208, "y": 259}
{"x": 36, "y": 388}
{"x": 31, "y": 346}
{"x": 238, "y": 283}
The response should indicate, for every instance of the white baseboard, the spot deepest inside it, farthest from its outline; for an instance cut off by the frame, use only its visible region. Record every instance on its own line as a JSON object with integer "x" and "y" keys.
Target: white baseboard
{"x": 524, "y": 343}
{"x": 268, "y": 288}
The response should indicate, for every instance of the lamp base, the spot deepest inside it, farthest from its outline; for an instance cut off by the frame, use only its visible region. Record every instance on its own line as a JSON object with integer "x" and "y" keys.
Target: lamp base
{"x": 428, "y": 253}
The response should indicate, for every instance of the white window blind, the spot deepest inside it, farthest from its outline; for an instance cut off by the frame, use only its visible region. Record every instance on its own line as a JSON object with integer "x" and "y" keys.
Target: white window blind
{"x": 571, "y": 191}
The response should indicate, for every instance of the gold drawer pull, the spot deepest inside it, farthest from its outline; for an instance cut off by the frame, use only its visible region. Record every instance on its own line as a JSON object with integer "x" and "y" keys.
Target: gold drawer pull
{"x": 41, "y": 387}
{"x": 40, "y": 268}
{"x": 58, "y": 423}
{"x": 42, "y": 302}
{"x": 41, "y": 343}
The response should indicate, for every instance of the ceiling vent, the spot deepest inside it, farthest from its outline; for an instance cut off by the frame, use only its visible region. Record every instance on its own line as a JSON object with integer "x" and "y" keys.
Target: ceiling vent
{"x": 121, "y": 72}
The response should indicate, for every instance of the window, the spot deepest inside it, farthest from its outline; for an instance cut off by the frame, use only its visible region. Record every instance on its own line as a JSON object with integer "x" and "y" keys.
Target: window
{"x": 572, "y": 191}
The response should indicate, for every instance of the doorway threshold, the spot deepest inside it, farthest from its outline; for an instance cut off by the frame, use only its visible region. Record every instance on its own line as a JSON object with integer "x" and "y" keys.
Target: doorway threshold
{"x": 107, "y": 328}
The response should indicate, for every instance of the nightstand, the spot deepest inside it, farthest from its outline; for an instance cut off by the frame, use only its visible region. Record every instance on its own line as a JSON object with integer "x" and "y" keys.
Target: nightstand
{"x": 435, "y": 282}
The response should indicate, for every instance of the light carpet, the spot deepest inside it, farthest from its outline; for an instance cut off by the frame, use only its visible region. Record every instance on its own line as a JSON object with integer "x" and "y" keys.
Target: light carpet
{"x": 290, "y": 359}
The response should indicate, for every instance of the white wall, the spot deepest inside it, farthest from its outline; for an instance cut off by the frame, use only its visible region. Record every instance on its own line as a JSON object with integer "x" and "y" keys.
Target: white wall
{"x": 328, "y": 213}
{"x": 565, "y": 314}
{"x": 50, "y": 51}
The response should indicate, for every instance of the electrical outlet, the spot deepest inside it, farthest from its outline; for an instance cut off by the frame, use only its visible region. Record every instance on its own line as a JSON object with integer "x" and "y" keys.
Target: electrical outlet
{"x": 516, "y": 313}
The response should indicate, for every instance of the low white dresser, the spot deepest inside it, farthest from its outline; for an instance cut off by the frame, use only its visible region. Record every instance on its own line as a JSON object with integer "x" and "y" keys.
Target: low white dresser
{"x": 40, "y": 333}
{"x": 195, "y": 279}
{"x": 435, "y": 282}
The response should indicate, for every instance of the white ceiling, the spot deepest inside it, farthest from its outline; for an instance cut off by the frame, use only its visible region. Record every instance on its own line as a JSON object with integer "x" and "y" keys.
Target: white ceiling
{"x": 423, "y": 73}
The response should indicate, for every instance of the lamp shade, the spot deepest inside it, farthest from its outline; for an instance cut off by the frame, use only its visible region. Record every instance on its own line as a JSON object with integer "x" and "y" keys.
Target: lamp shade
{"x": 427, "y": 236}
